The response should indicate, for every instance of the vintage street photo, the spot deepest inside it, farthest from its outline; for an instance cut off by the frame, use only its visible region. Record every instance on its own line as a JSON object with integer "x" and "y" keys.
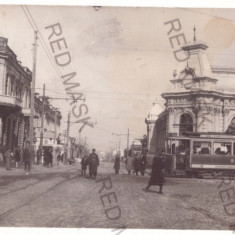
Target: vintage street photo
{"x": 117, "y": 117}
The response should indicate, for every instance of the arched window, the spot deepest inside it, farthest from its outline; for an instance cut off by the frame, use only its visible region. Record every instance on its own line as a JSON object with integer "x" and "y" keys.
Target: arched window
{"x": 186, "y": 124}
{"x": 231, "y": 127}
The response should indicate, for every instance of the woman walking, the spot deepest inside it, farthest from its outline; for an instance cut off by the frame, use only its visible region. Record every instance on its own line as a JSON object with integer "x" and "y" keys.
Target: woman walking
{"x": 157, "y": 177}
{"x": 117, "y": 164}
{"x": 84, "y": 164}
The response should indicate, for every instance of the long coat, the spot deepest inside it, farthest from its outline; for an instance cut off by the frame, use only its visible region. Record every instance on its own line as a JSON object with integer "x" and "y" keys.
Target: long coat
{"x": 84, "y": 162}
{"x": 117, "y": 163}
{"x": 157, "y": 177}
{"x": 129, "y": 163}
{"x": 143, "y": 163}
{"x": 136, "y": 163}
{"x": 93, "y": 161}
{"x": 26, "y": 155}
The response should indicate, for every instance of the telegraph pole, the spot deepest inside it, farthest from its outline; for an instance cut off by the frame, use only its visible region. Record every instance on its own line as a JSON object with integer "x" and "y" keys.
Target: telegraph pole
{"x": 55, "y": 136}
{"x": 127, "y": 147}
{"x": 119, "y": 145}
{"x": 42, "y": 120}
{"x": 68, "y": 128}
{"x": 31, "y": 125}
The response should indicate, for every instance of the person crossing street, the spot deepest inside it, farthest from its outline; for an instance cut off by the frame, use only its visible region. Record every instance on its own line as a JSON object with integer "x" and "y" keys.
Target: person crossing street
{"x": 93, "y": 161}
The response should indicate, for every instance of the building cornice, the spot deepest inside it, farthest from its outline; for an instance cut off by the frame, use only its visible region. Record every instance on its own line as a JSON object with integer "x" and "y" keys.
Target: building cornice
{"x": 198, "y": 92}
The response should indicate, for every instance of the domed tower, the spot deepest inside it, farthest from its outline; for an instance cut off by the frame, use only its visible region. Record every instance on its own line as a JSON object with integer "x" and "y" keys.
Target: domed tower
{"x": 150, "y": 120}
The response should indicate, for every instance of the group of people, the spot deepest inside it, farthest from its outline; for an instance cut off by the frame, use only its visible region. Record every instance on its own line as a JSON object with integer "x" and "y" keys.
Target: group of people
{"x": 139, "y": 162}
{"x": 18, "y": 156}
{"x": 136, "y": 164}
{"x": 92, "y": 161}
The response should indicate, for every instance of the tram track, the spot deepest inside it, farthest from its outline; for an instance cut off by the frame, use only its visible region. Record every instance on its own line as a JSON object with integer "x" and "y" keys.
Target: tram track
{"x": 29, "y": 185}
{"x": 74, "y": 175}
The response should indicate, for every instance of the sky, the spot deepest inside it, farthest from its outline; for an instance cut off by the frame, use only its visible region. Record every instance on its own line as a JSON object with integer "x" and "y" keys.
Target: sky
{"x": 122, "y": 56}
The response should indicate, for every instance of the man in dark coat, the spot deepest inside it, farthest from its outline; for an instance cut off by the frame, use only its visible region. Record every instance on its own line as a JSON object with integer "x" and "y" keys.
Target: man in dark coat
{"x": 93, "y": 161}
{"x": 136, "y": 164}
{"x": 157, "y": 176}
{"x": 17, "y": 155}
{"x": 50, "y": 158}
{"x": 26, "y": 157}
{"x": 143, "y": 163}
{"x": 117, "y": 164}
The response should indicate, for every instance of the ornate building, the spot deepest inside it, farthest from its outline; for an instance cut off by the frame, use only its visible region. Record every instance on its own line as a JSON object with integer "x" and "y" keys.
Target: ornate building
{"x": 14, "y": 97}
{"x": 15, "y": 92}
{"x": 195, "y": 103}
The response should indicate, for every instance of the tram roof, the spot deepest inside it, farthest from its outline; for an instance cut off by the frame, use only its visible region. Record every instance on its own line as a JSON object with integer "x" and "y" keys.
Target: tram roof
{"x": 203, "y": 135}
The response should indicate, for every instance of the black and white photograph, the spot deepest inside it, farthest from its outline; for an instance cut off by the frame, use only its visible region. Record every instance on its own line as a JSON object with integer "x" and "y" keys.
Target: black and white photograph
{"x": 117, "y": 117}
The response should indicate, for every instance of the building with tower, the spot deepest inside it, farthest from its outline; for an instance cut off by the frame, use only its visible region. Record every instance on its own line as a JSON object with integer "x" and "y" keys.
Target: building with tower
{"x": 195, "y": 103}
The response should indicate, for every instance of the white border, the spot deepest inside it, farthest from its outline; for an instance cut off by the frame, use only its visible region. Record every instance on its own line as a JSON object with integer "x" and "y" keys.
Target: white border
{"x": 133, "y": 3}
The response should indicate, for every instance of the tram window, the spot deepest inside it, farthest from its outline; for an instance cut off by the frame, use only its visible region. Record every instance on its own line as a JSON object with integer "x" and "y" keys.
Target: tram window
{"x": 222, "y": 148}
{"x": 201, "y": 147}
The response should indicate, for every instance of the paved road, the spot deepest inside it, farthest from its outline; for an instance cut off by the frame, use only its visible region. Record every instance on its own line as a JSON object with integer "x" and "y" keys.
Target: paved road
{"x": 61, "y": 197}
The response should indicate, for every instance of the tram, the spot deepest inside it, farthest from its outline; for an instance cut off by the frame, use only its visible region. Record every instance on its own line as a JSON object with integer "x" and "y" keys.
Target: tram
{"x": 201, "y": 153}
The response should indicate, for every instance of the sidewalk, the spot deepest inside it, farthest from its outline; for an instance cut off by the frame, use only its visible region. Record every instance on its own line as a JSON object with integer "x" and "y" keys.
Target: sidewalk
{"x": 35, "y": 169}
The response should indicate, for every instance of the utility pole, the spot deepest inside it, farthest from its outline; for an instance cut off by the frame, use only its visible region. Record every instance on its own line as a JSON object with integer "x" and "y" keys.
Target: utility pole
{"x": 68, "y": 128}
{"x": 127, "y": 147}
{"x": 31, "y": 125}
{"x": 55, "y": 136}
{"x": 42, "y": 121}
{"x": 119, "y": 150}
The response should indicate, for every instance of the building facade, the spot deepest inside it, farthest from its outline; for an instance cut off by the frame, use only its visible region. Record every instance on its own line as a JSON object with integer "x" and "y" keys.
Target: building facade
{"x": 15, "y": 93}
{"x": 51, "y": 123}
{"x": 14, "y": 98}
{"x": 195, "y": 103}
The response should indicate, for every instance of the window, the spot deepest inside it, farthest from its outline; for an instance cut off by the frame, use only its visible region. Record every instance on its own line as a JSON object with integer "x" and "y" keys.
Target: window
{"x": 222, "y": 148}
{"x": 6, "y": 84}
{"x": 201, "y": 147}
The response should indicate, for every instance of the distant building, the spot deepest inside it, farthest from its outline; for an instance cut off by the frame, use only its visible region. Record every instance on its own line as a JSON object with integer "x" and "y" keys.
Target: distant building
{"x": 195, "y": 103}
{"x": 52, "y": 121}
{"x": 150, "y": 122}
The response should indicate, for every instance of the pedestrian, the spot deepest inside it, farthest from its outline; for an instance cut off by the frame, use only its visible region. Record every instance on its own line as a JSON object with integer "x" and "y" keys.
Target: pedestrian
{"x": 136, "y": 164}
{"x": 62, "y": 156}
{"x": 26, "y": 158}
{"x": 129, "y": 164}
{"x": 39, "y": 153}
{"x": 84, "y": 164}
{"x": 8, "y": 159}
{"x": 58, "y": 157}
{"x": 17, "y": 156}
{"x": 50, "y": 157}
{"x": 143, "y": 163}
{"x": 93, "y": 161}
{"x": 117, "y": 164}
{"x": 157, "y": 176}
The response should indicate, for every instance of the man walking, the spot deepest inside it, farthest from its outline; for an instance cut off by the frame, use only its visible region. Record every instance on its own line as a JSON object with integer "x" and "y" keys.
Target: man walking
{"x": 117, "y": 164}
{"x": 93, "y": 161}
{"x": 26, "y": 158}
{"x": 143, "y": 163}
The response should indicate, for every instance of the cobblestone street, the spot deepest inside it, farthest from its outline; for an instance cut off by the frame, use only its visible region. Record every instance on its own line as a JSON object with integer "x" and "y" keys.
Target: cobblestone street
{"x": 61, "y": 197}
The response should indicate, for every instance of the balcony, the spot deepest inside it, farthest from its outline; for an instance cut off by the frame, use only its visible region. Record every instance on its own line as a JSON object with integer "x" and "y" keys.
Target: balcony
{"x": 10, "y": 103}
{"x": 26, "y": 113}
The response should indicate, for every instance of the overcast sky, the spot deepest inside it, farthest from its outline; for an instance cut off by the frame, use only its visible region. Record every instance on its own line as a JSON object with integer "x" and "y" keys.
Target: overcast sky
{"x": 122, "y": 57}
